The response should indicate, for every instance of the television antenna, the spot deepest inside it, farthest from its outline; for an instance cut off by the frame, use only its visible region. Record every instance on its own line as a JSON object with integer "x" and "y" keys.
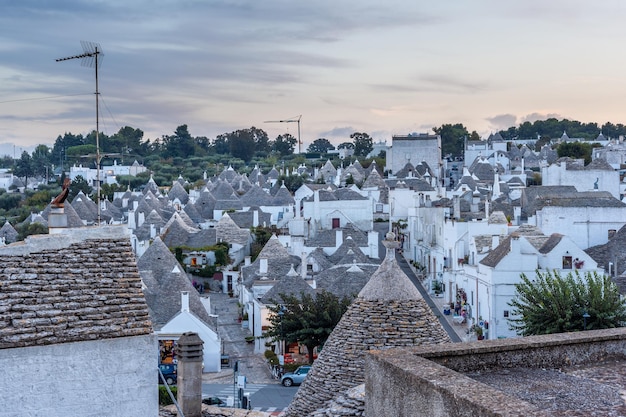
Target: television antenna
{"x": 89, "y": 58}
{"x": 295, "y": 119}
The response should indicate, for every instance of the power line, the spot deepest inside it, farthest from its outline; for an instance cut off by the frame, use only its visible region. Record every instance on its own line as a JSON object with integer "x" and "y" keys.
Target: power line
{"x": 44, "y": 98}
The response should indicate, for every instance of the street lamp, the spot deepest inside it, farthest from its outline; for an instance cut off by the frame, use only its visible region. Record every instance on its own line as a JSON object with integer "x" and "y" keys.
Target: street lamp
{"x": 585, "y": 317}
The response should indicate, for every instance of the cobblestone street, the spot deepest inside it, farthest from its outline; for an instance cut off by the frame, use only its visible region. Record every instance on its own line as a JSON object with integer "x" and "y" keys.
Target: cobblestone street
{"x": 234, "y": 344}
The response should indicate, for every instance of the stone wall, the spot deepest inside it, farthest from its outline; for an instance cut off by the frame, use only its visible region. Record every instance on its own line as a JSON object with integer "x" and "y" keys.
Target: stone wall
{"x": 430, "y": 381}
{"x": 109, "y": 377}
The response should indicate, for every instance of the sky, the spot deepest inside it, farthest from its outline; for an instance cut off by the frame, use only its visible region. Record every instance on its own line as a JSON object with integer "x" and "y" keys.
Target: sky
{"x": 383, "y": 68}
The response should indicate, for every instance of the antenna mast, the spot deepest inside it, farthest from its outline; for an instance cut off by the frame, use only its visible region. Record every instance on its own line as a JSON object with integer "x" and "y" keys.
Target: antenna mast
{"x": 89, "y": 57}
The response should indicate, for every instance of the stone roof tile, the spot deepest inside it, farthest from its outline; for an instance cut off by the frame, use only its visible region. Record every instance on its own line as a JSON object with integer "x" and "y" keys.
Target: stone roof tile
{"x": 89, "y": 289}
{"x": 388, "y": 312}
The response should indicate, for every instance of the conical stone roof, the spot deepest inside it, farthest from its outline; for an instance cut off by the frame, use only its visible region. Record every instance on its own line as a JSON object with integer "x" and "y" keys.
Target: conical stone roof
{"x": 388, "y": 312}
{"x": 8, "y": 232}
{"x": 178, "y": 192}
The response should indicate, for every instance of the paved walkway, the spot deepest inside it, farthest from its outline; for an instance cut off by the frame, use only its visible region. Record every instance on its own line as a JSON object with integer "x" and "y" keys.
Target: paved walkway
{"x": 457, "y": 332}
{"x": 252, "y": 365}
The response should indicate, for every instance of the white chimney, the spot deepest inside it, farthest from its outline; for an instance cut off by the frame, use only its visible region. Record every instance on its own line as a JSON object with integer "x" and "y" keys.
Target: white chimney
{"x": 263, "y": 266}
{"x": 255, "y": 218}
{"x": 338, "y": 237}
{"x": 141, "y": 217}
{"x": 131, "y": 220}
{"x": 303, "y": 265}
{"x": 184, "y": 301}
{"x": 246, "y": 261}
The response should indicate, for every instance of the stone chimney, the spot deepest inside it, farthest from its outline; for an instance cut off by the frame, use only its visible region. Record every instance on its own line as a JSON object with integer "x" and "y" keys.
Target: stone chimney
{"x": 189, "y": 370}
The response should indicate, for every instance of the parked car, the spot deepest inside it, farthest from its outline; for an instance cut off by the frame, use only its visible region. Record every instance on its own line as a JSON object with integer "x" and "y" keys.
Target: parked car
{"x": 296, "y": 377}
{"x": 169, "y": 373}
{"x": 214, "y": 401}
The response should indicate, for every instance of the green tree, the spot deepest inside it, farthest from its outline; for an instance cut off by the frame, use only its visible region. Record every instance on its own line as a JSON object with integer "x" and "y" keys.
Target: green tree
{"x": 245, "y": 142}
{"x": 179, "y": 144}
{"x": 79, "y": 184}
{"x": 576, "y": 150}
{"x": 24, "y": 167}
{"x": 320, "y": 145}
{"x": 345, "y": 145}
{"x": 30, "y": 229}
{"x": 41, "y": 161}
{"x": 452, "y": 138}
{"x": 306, "y": 319}
{"x": 284, "y": 144}
{"x": 221, "y": 145}
{"x": 127, "y": 141}
{"x": 292, "y": 182}
{"x": 363, "y": 144}
{"x": 554, "y": 304}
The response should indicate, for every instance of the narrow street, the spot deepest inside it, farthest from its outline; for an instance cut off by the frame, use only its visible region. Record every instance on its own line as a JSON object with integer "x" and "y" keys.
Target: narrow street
{"x": 251, "y": 365}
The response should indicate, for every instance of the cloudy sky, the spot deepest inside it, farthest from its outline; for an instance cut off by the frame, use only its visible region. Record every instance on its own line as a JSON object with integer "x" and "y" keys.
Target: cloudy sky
{"x": 383, "y": 68}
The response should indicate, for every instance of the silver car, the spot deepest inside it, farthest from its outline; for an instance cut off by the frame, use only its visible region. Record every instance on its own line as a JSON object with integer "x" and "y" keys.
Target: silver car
{"x": 296, "y": 377}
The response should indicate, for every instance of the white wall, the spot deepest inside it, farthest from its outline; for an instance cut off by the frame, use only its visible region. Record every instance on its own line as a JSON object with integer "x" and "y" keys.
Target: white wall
{"x": 357, "y": 212}
{"x": 586, "y": 226}
{"x": 110, "y": 377}
{"x": 582, "y": 179}
{"x": 187, "y": 322}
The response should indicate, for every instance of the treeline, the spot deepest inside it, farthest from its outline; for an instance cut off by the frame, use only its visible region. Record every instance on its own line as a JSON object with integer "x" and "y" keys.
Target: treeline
{"x": 553, "y": 129}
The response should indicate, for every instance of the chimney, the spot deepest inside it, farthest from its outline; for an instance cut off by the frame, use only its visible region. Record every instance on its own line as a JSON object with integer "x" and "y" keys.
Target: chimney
{"x": 184, "y": 301}
{"x": 263, "y": 265}
{"x": 255, "y": 218}
{"x": 141, "y": 217}
{"x": 246, "y": 261}
{"x": 57, "y": 220}
{"x": 456, "y": 201}
{"x": 132, "y": 224}
{"x": 338, "y": 237}
{"x": 495, "y": 241}
{"x": 190, "y": 356}
{"x": 303, "y": 265}
{"x": 152, "y": 231}
{"x": 372, "y": 242}
{"x": 487, "y": 209}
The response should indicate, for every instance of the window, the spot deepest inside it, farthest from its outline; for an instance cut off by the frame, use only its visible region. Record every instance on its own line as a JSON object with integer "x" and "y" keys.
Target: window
{"x": 611, "y": 233}
{"x": 309, "y": 267}
{"x": 567, "y": 262}
{"x": 335, "y": 223}
{"x": 506, "y": 313}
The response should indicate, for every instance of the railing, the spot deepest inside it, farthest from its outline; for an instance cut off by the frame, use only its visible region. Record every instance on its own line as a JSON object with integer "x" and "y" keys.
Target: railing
{"x": 169, "y": 391}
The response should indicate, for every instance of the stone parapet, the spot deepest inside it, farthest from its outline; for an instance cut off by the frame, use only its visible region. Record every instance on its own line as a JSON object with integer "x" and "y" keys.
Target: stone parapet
{"x": 442, "y": 380}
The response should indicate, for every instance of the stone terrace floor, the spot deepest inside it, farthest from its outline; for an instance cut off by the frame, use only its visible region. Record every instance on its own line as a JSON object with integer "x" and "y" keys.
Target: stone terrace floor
{"x": 597, "y": 389}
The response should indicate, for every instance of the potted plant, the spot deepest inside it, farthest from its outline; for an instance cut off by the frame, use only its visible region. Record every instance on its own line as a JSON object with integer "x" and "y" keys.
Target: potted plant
{"x": 479, "y": 331}
{"x": 437, "y": 288}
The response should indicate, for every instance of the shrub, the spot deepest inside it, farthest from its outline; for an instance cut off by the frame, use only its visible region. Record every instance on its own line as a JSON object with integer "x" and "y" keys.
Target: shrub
{"x": 271, "y": 357}
{"x": 164, "y": 397}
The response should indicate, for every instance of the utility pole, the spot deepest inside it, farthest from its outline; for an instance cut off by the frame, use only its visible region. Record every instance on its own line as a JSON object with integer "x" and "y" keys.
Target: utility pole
{"x": 89, "y": 58}
{"x": 295, "y": 119}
